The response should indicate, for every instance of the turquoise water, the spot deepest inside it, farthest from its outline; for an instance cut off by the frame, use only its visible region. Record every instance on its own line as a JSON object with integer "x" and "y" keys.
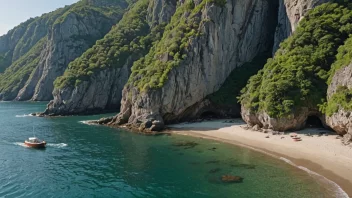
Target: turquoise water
{"x": 97, "y": 161}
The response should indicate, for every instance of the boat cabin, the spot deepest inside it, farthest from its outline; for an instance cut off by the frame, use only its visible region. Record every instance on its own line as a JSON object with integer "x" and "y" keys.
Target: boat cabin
{"x": 33, "y": 140}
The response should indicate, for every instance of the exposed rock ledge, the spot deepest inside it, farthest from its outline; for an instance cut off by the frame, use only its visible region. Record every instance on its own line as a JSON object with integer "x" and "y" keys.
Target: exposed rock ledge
{"x": 289, "y": 123}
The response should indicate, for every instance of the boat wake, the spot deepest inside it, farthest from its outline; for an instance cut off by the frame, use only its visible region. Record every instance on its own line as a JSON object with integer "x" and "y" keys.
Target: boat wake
{"x": 23, "y": 116}
{"x": 340, "y": 193}
{"x": 60, "y": 145}
{"x": 20, "y": 144}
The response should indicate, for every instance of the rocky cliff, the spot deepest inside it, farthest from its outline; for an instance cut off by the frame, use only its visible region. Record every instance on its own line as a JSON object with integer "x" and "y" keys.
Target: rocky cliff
{"x": 292, "y": 86}
{"x": 102, "y": 88}
{"x": 291, "y": 12}
{"x": 68, "y": 32}
{"x": 341, "y": 119}
{"x": 193, "y": 59}
{"x": 338, "y": 107}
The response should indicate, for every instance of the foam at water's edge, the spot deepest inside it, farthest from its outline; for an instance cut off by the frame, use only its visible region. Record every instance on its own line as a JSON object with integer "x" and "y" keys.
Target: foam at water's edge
{"x": 23, "y": 116}
{"x": 340, "y": 193}
{"x": 88, "y": 122}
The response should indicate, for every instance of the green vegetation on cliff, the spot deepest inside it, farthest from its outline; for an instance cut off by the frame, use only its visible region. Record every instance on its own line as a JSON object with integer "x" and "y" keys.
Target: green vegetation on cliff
{"x": 152, "y": 70}
{"x": 296, "y": 77}
{"x": 13, "y": 79}
{"x": 132, "y": 36}
{"x": 342, "y": 98}
{"x": 20, "y": 49}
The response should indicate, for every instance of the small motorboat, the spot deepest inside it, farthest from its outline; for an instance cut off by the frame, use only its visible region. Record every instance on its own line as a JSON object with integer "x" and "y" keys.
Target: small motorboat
{"x": 34, "y": 142}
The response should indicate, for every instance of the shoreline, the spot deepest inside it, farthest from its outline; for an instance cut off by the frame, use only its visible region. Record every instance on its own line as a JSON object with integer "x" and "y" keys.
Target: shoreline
{"x": 322, "y": 155}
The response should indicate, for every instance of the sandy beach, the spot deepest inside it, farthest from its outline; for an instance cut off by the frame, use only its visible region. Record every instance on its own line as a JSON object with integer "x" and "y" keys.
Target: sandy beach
{"x": 322, "y": 154}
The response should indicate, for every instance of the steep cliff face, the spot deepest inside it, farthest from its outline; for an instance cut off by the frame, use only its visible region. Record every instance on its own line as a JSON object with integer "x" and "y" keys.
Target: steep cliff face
{"x": 160, "y": 11}
{"x": 22, "y": 38}
{"x": 290, "y": 13}
{"x": 101, "y": 88}
{"x": 292, "y": 86}
{"x": 68, "y": 31}
{"x": 341, "y": 119}
{"x": 339, "y": 105}
{"x": 172, "y": 81}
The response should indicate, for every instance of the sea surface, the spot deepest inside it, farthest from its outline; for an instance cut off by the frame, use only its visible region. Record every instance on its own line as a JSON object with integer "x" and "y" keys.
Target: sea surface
{"x": 96, "y": 161}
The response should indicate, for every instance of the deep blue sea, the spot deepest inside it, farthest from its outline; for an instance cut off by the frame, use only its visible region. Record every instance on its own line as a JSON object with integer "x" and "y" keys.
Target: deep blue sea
{"x": 97, "y": 161}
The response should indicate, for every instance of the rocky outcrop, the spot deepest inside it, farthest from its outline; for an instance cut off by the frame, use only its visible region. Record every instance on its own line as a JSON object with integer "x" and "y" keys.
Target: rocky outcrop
{"x": 276, "y": 98}
{"x": 295, "y": 121}
{"x": 210, "y": 60}
{"x": 103, "y": 90}
{"x": 341, "y": 121}
{"x": 290, "y": 13}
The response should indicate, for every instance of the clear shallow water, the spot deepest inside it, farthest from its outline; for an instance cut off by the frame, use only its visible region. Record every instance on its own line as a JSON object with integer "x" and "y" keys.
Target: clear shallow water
{"x": 96, "y": 161}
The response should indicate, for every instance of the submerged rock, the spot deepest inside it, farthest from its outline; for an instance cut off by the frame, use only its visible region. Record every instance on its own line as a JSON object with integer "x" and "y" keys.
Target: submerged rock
{"x": 215, "y": 170}
{"x": 231, "y": 179}
{"x": 245, "y": 166}
{"x": 212, "y": 162}
{"x": 186, "y": 145}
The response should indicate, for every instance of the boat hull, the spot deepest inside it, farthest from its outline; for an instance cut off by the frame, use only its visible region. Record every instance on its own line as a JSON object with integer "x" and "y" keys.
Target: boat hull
{"x": 35, "y": 145}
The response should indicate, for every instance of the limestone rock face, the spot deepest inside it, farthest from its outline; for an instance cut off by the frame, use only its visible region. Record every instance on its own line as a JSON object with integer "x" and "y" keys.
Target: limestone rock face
{"x": 341, "y": 121}
{"x": 293, "y": 122}
{"x": 160, "y": 11}
{"x": 68, "y": 32}
{"x": 290, "y": 13}
{"x": 21, "y": 39}
{"x": 67, "y": 41}
{"x": 231, "y": 35}
{"x": 103, "y": 91}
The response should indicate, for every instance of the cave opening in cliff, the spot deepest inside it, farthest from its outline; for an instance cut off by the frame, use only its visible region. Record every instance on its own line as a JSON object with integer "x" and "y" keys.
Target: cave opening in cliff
{"x": 209, "y": 115}
{"x": 314, "y": 122}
